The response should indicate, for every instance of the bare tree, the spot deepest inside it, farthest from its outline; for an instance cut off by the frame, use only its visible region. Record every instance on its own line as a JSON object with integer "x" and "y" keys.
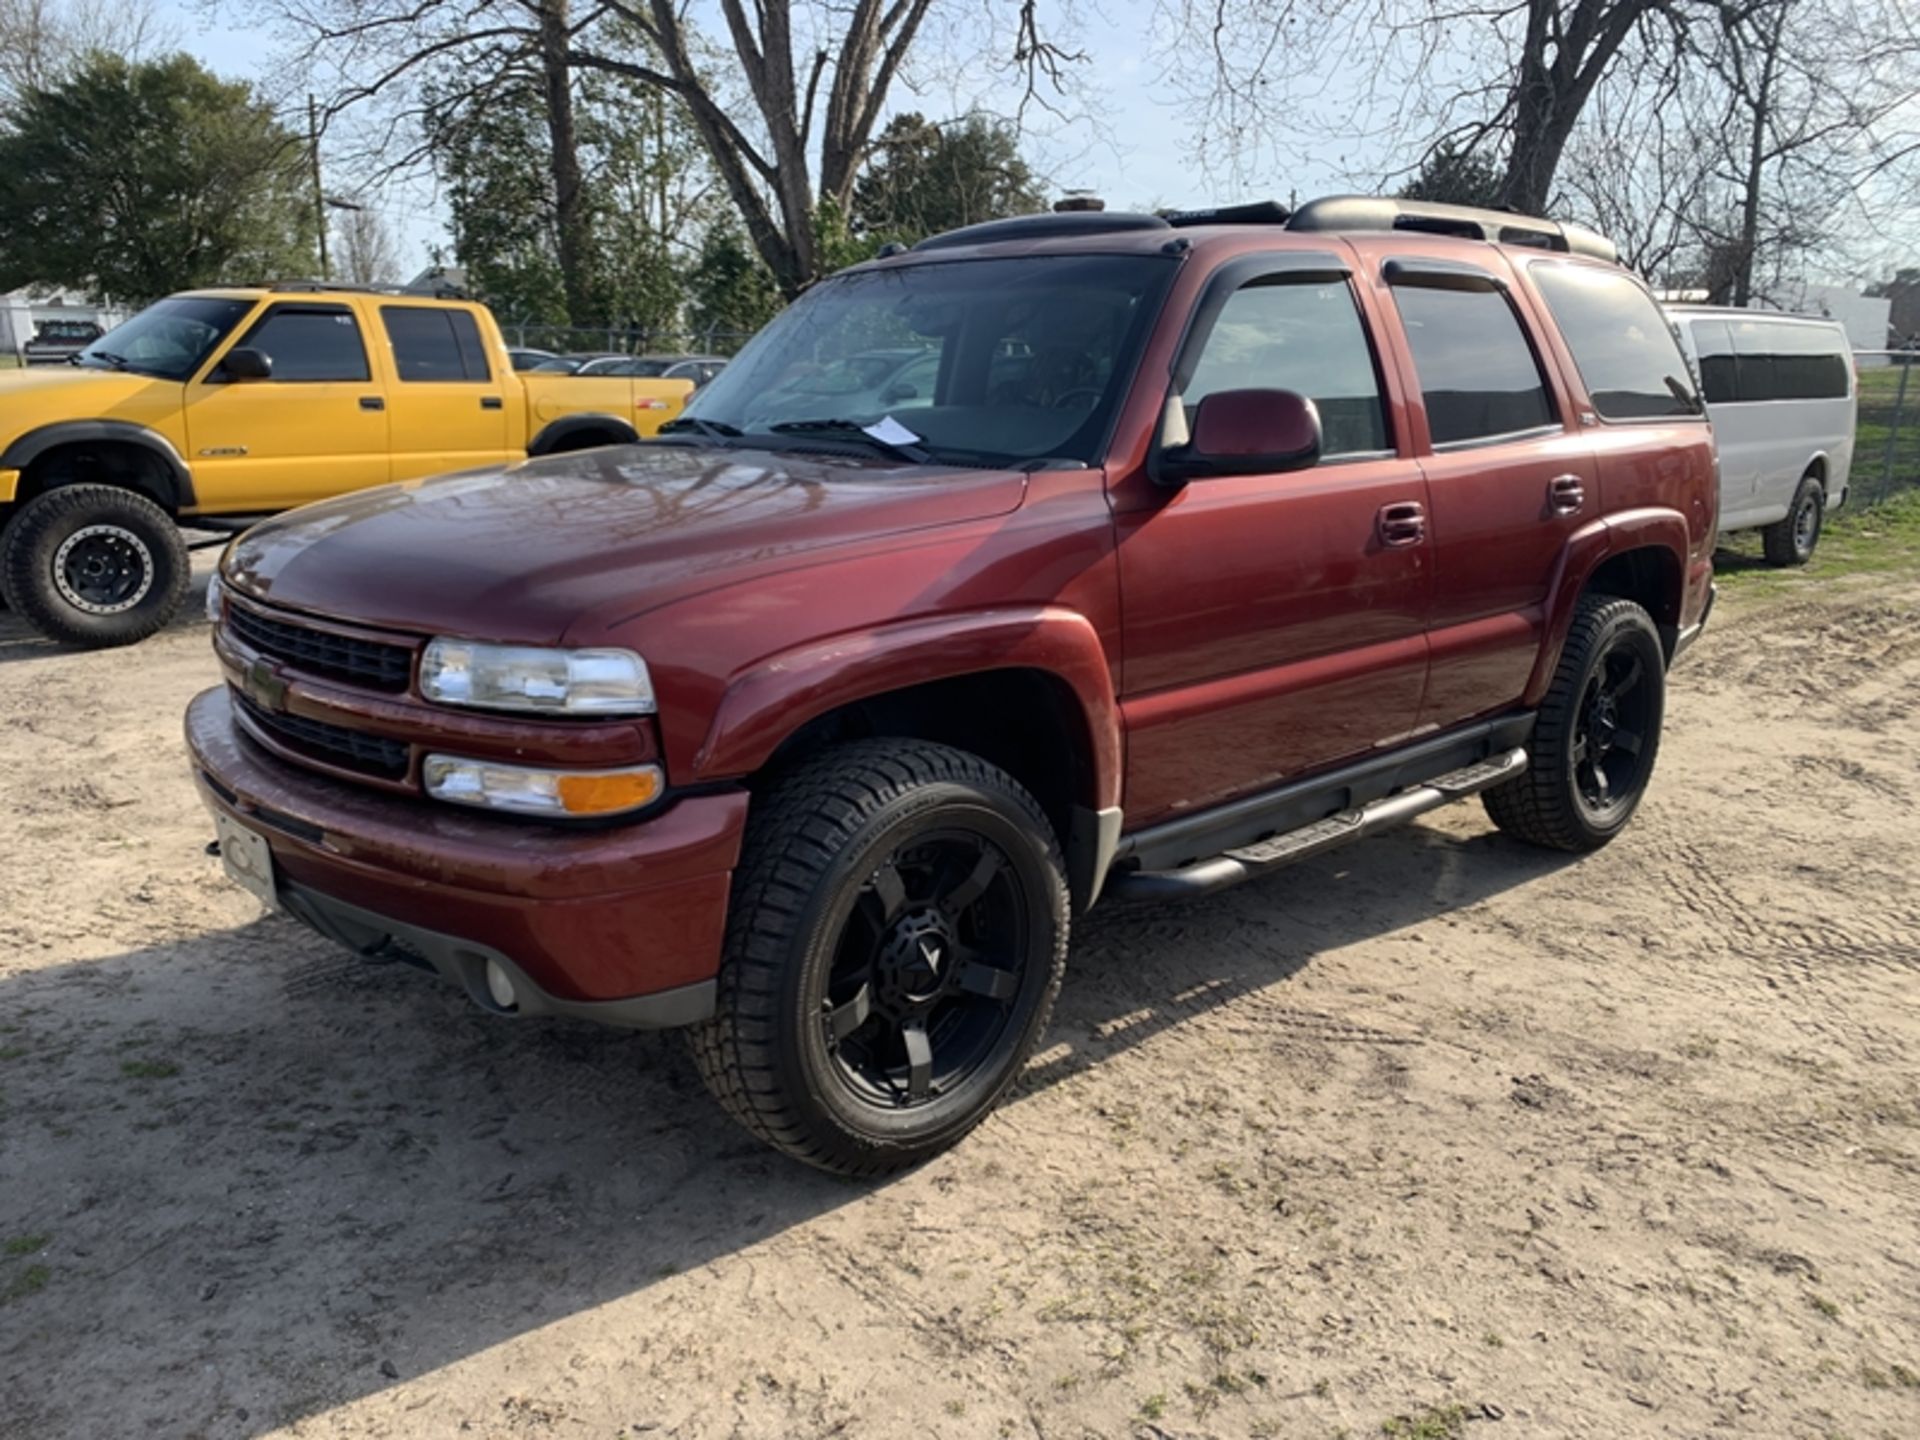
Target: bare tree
{"x": 364, "y": 249}
{"x": 41, "y": 40}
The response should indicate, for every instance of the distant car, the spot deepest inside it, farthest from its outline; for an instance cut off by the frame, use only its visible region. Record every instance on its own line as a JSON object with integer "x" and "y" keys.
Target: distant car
{"x": 57, "y": 341}
{"x": 865, "y": 386}
{"x": 697, "y": 368}
{"x": 523, "y": 359}
{"x": 574, "y": 364}
{"x": 1781, "y": 395}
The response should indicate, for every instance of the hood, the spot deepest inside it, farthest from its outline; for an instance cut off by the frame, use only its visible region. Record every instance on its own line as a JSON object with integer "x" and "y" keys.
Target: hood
{"x": 526, "y": 552}
{"x": 88, "y": 391}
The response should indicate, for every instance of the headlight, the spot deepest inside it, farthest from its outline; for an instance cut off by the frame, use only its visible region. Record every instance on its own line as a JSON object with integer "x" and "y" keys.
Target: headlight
{"x": 526, "y": 677}
{"x": 526, "y": 790}
{"x": 216, "y": 599}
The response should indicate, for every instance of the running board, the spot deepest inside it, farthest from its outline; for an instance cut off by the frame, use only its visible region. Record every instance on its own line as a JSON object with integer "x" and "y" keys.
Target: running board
{"x": 1246, "y": 861}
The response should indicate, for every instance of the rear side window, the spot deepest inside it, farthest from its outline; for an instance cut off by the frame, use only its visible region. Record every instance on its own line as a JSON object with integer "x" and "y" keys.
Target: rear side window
{"x": 1623, "y": 346}
{"x": 435, "y": 344}
{"x": 1719, "y": 367}
{"x": 1306, "y": 336}
{"x": 1478, "y": 374}
{"x": 310, "y": 344}
{"x": 1780, "y": 361}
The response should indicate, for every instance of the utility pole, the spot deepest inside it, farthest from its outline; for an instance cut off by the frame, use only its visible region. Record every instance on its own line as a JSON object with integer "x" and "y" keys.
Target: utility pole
{"x": 319, "y": 195}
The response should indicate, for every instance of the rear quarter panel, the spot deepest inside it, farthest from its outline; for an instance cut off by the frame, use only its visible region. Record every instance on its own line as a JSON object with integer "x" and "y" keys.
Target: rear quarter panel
{"x": 643, "y": 403}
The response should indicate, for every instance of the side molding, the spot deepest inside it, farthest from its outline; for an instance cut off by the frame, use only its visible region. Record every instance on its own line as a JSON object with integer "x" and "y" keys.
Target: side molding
{"x": 775, "y": 697}
{"x": 35, "y": 443}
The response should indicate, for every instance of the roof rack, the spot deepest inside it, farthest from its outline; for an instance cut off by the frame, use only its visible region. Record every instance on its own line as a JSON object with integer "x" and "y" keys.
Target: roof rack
{"x": 1259, "y": 212}
{"x": 1374, "y": 212}
{"x": 340, "y": 287}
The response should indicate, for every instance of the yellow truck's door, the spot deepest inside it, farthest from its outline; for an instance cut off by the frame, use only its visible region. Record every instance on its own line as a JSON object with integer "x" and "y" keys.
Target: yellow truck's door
{"x": 316, "y": 426}
{"x": 446, "y": 403}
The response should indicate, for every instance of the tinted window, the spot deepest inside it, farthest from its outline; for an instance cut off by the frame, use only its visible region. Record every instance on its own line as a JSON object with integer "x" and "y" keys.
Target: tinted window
{"x": 1623, "y": 346}
{"x": 308, "y": 345}
{"x": 1719, "y": 369}
{"x": 435, "y": 344}
{"x": 1790, "y": 362}
{"x": 1276, "y": 334}
{"x": 1478, "y": 374}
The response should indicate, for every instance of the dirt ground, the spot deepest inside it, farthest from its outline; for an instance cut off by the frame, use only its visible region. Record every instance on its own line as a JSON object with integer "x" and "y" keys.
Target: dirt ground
{"x": 1437, "y": 1136}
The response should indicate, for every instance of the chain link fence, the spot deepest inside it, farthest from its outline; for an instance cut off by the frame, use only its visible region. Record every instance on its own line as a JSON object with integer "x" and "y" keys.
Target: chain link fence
{"x": 609, "y": 340}
{"x": 1886, "y": 447}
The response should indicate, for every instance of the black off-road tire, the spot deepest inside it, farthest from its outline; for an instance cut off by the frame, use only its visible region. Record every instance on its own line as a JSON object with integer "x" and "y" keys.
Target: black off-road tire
{"x": 813, "y": 842}
{"x": 1546, "y": 804}
{"x": 48, "y": 542}
{"x": 1791, "y": 541}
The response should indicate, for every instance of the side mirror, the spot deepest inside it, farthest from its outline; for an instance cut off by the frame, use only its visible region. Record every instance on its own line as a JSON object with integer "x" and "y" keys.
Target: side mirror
{"x": 1245, "y": 432}
{"x": 246, "y": 364}
{"x": 899, "y": 391}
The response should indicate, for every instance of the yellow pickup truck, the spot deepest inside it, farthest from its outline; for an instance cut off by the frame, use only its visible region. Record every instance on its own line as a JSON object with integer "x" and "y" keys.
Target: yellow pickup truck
{"x": 213, "y": 408}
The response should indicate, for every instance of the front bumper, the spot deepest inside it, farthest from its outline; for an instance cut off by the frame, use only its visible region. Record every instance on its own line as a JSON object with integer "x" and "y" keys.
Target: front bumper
{"x": 621, "y": 924}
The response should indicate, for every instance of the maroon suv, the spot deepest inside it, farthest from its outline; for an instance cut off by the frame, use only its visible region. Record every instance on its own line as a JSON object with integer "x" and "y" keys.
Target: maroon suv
{"x": 1172, "y": 549}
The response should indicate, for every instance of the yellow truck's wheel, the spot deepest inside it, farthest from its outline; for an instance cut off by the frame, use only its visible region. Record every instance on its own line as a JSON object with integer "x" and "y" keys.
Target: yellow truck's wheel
{"x": 94, "y": 565}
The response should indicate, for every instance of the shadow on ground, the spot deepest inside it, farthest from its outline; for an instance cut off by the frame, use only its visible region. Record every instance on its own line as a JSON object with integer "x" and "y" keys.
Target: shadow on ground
{"x": 20, "y": 641}
{"x": 274, "y": 1178}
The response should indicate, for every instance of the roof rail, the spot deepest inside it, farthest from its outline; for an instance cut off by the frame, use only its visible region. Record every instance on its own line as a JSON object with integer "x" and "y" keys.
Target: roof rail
{"x": 1043, "y": 227}
{"x": 340, "y": 287}
{"x": 1259, "y": 212}
{"x": 1376, "y": 212}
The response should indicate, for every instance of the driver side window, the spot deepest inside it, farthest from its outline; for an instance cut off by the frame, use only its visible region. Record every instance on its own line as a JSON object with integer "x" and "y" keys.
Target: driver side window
{"x": 1279, "y": 333}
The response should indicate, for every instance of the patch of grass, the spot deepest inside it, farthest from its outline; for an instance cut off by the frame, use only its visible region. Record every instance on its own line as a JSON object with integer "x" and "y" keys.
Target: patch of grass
{"x": 1433, "y": 1423}
{"x": 1492, "y": 1341}
{"x": 149, "y": 1069}
{"x": 1874, "y": 540}
{"x": 956, "y": 1408}
{"x": 12, "y": 1052}
{"x": 1700, "y": 1047}
{"x": 1153, "y": 1407}
{"x": 29, "y": 1281}
{"x": 26, "y": 1244}
{"x": 1825, "y": 1306}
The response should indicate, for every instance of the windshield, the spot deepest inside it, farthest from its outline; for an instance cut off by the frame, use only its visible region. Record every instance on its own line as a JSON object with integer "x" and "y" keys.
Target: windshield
{"x": 169, "y": 339}
{"x": 975, "y": 361}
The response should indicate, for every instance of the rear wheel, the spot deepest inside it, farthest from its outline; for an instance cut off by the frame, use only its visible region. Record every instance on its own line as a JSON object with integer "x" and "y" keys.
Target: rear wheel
{"x": 1596, "y": 736}
{"x": 1791, "y": 541}
{"x": 94, "y": 565}
{"x": 897, "y": 937}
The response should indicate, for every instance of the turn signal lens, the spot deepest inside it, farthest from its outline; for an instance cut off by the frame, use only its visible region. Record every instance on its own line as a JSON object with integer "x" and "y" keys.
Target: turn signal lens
{"x": 525, "y": 790}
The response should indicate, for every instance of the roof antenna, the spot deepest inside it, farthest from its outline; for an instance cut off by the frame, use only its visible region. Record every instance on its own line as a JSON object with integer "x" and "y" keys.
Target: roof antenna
{"x": 1076, "y": 201}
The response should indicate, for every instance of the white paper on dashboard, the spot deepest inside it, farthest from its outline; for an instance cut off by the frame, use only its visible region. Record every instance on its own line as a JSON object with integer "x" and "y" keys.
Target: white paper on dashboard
{"x": 891, "y": 432}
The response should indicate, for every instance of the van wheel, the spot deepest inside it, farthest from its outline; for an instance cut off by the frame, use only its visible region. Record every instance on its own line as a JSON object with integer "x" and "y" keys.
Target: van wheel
{"x": 897, "y": 936}
{"x": 94, "y": 566}
{"x": 1791, "y": 541}
{"x": 1596, "y": 736}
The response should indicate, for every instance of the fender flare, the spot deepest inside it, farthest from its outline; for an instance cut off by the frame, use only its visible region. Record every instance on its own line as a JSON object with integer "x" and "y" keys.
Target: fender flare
{"x": 29, "y": 447}
{"x": 1586, "y": 550}
{"x": 568, "y": 426}
{"x": 773, "y": 698}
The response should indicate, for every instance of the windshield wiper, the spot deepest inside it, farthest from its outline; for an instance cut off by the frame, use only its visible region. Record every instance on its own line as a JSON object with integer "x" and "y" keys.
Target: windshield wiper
{"x": 716, "y": 429}
{"x": 853, "y": 430}
{"x": 117, "y": 362}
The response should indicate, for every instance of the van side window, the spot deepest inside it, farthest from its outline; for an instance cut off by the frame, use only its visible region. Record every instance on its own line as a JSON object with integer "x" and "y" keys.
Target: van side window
{"x": 1279, "y": 333}
{"x": 1622, "y": 345}
{"x": 1478, "y": 374}
{"x": 310, "y": 344}
{"x": 1783, "y": 361}
{"x": 433, "y": 344}
{"x": 1719, "y": 367}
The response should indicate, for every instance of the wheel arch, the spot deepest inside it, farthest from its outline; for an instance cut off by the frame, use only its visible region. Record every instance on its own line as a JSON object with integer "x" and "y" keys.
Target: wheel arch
{"x": 1028, "y": 690}
{"x": 582, "y": 432}
{"x": 128, "y": 455}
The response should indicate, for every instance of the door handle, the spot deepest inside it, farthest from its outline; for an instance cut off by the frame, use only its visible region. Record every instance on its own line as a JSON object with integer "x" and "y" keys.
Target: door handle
{"x": 372, "y": 402}
{"x": 1402, "y": 523}
{"x": 491, "y": 402}
{"x": 1566, "y": 495}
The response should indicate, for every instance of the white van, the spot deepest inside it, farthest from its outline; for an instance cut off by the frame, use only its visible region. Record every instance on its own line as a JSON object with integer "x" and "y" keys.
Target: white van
{"x": 1780, "y": 393}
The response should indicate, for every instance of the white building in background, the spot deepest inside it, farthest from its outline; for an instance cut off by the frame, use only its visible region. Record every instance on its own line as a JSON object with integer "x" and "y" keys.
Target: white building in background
{"x": 1866, "y": 318}
{"x": 22, "y": 312}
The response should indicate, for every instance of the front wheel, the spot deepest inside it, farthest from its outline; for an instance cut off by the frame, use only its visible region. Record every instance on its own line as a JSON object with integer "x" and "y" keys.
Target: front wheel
{"x": 94, "y": 566}
{"x": 1596, "y": 736}
{"x": 897, "y": 936}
